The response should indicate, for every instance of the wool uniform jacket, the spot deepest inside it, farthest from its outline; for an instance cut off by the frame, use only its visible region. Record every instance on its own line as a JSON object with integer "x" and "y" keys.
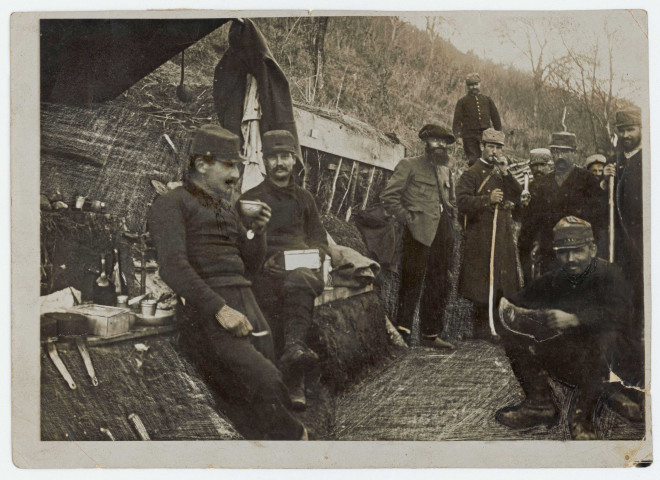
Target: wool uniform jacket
{"x": 202, "y": 246}
{"x": 579, "y": 195}
{"x": 473, "y": 196}
{"x": 418, "y": 193}
{"x": 475, "y": 113}
{"x": 248, "y": 52}
{"x": 602, "y": 302}
{"x": 628, "y": 247}
{"x": 628, "y": 201}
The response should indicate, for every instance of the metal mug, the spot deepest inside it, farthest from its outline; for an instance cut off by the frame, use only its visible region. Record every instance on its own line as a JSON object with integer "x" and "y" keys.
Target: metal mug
{"x": 148, "y": 308}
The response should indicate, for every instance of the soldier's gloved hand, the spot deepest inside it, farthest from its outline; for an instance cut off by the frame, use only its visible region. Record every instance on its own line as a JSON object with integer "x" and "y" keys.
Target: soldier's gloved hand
{"x": 260, "y": 221}
{"x": 560, "y": 320}
{"x": 496, "y": 196}
{"x": 234, "y": 321}
{"x": 609, "y": 170}
{"x": 272, "y": 265}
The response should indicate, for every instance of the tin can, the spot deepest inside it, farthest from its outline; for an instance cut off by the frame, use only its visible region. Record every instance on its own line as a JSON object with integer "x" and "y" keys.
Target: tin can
{"x": 148, "y": 308}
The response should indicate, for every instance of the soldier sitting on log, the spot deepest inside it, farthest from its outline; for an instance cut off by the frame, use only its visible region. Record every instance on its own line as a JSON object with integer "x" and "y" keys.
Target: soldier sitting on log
{"x": 287, "y": 295}
{"x": 203, "y": 253}
{"x": 567, "y": 323}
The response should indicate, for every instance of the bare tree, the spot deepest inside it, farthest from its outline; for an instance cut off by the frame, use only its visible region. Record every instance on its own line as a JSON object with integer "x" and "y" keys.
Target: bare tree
{"x": 319, "y": 54}
{"x": 582, "y": 73}
{"x": 530, "y": 37}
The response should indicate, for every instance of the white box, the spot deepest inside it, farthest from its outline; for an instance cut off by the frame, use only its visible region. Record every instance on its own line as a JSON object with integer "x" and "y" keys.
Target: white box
{"x": 302, "y": 259}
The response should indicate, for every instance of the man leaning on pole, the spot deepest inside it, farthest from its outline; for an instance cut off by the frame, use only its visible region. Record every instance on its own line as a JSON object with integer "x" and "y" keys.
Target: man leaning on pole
{"x": 486, "y": 194}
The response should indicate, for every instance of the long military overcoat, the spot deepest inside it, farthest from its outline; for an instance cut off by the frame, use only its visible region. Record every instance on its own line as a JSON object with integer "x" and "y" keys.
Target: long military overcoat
{"x": 476, "y": 213}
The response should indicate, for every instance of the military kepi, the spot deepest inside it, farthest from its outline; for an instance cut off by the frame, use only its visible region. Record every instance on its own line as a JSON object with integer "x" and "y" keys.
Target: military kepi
{"x": 571, "y": 232}
{"x": 595, "y": 158}
{"x": 278, "y": 141}
{"x": 540, "y": 156}
{"x": 490, "y": 135}
{"x": 628, "y": 117}
{"x": 437, "y": 131}
{"x": 212, "y": 140}
{"x": 472, "y": 79}
{"x": 565, "y": 140}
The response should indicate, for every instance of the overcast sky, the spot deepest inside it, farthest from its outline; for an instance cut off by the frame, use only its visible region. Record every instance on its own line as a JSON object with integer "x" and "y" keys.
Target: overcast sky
{"x": 478, "y": 31}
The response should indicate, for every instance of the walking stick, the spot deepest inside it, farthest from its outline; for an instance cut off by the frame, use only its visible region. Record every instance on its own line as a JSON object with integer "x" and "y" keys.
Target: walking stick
{"x": 491, "y": 286}
{"x": 611, "y": 212}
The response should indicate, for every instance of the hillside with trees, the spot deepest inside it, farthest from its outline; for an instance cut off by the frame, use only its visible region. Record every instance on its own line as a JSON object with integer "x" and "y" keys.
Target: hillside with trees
{"x": 388, "y": 73}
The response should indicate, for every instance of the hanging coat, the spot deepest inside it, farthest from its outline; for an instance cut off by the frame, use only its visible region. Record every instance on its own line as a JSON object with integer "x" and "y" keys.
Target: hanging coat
{"x": 476, "y": 213}
{"x": 248, "y": 52}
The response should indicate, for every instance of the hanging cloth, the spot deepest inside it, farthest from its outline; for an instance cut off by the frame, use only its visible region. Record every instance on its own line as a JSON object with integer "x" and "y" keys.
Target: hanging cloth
{"x": 255, "y": 171}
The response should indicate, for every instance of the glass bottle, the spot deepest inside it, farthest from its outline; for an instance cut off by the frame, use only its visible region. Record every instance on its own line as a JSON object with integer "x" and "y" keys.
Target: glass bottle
{"x": 103, "y": 292}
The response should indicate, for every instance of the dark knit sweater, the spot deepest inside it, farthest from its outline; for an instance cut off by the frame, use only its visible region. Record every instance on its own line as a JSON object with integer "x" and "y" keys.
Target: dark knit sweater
{"x": 601, "y": 299}
{"x": 202, "y": 245}
{"x": 295, "y": 223}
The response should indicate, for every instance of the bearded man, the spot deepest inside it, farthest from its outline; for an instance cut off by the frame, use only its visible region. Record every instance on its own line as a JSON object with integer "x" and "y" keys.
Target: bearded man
{"x": 420, "y": 195}
{"x": 569, "y": 190}
{"x": 626, "y": 168}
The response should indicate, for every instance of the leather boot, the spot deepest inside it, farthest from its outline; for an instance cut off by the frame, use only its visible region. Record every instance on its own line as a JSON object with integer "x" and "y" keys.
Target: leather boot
{"x": 528, "y": 414}
{"x": 298, "y": 356}
{"x": 523, "y": 321}
{"x": 434, "y": 341}
{"x": 581, "y": 414}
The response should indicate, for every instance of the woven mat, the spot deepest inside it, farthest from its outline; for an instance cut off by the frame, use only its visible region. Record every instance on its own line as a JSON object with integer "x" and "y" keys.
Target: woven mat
{"x": 158, "y": 385}
{"x": 426, "y": 394}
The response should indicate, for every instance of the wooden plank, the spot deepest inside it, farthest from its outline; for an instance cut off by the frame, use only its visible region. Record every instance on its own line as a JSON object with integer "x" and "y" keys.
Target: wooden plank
{"x": 135, "y": 334}
{"x": 333, "y": 137}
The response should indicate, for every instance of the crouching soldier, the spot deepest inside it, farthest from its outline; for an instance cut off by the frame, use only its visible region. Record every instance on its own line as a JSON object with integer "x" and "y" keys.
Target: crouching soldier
{"x": 203, "y": 253}
{"x": 566, "y": 323}
{"x": 287, "y": 295}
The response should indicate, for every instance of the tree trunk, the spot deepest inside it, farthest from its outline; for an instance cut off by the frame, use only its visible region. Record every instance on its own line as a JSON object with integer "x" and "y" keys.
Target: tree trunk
{"x": 319, "y": 57}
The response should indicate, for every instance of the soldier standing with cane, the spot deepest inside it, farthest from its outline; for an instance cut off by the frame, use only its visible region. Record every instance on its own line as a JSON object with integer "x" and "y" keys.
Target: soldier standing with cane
{"x": 486, "y": 194}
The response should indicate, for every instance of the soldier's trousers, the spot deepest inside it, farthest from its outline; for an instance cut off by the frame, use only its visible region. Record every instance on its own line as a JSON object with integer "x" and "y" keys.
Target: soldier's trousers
{"x": 576, "y": 360}
{"x": 424, "y": 270}
{"x": 241, "y": 370}
{"x": 472, "y": 147}
{"x": 287, "y": 300}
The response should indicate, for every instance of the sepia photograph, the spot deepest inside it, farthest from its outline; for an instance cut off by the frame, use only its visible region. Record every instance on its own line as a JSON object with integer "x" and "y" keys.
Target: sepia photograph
{"x": 346, "y": 230}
